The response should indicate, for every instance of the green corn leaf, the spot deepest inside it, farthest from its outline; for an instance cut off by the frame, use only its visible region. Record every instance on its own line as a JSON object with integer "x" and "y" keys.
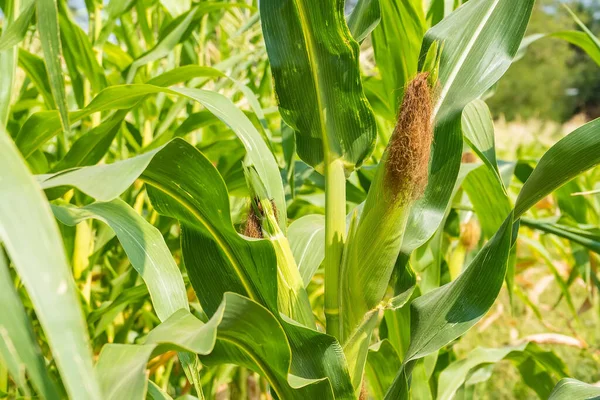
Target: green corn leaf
{"x": 288, "y": 144}
{"x": 217, "y": 258}
{"x": 307, "y": 240}
{"x": 308, "y": 347}
{"x": 38, "y": 163}
{"x": 583, "y": 40}
{"x": 580, "y": 236}
{"x": 396, "y": 43}
{"x": 535, "y": 376}
{"x": 176, "y": 7}
{"x": 357, "y": 345}
{"x": 489, "y": 200}
{"x": 572, "y": 389}
{"x": 32, "y": 240}
{"x": 121, "y": 370}
{"x": 39, "y": 129}
{"x": 491, "y": 203}
{"x": 36, "y": 71}
{"x": 17, "y": 17}
{"x": 164, "y": 47}
{"x": 574, "y": 208}
{"x": 272, "y": 357}
{"x": 210, "y": 244}
{"x": 78, "y": 85}
{"x": 19, "y": 350}
{"x": 441, "y": 315}
{"x": 569, "y": 157}
{"x": 8, "y": 60}
{"x": 184, "y": 74}
{"x": 114, "y": 10}
{"x": 126, "y": 297}
{"x": 314, "y": 61}
{"x": 76, "y": 43}
{"x": 206, "y": 213}
{"x": 102, "y": 182}
{"x": 185, "y": 185}
{"x": 439, "y": 9}
{"x": 175, "y": 34}
{"x": 240, "y": 332}
{"x": 593, "y": 51}
{"x": 478, "y": 131}
{"x": 47, "y": 17}
{"x": 194, "y": 121}
{"x": 420, "y": 388}
{"x": 382, "y": 363}
{"x": 93, "y": 145}
{"x": 145, "y": 248}
{"x": 495, "y": 29}
{"x": 156, "y": 393}
{"x": 15, "y": 32}
{"x": 444, "y": 314}
{"x": 364, "y": 18}
{"x": 479, "y": 41}
{"x": 457, "y": 373}
{"x": 187, "y": 73}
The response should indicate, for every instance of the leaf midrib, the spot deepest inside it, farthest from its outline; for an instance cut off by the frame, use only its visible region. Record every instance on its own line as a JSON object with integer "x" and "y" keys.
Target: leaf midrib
{"x": 463, "y": 57}
{"x": 313, "y": 60}
{"x": 213, "y": 232}
{"x": 273, "y": 381}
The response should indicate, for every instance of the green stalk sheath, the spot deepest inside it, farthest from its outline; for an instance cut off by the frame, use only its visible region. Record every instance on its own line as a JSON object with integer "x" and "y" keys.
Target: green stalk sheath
{"x": 335, "y": 235}
{"x": 292, "y": 299}
{"x": 371, "y": 256}
{"x": 3, "y": 378}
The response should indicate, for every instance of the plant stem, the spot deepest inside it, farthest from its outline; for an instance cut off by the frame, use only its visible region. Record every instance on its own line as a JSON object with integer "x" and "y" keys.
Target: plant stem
{"x": 191, "y": 366}
{"x": 3, "y": 378}
{"x": 335, "y": 234}
{"x": 243, "y": 383}
{"x": 292, "y": 299}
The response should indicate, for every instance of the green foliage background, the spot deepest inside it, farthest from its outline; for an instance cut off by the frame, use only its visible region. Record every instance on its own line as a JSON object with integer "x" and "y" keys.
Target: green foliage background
{"x": 554, "y": 80}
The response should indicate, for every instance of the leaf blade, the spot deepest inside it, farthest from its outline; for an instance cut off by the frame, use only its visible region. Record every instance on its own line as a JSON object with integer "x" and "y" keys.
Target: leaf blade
{"x": 50, "y": 287}
{"x": 47, "y": 16}
{"x": 316, "y": 86}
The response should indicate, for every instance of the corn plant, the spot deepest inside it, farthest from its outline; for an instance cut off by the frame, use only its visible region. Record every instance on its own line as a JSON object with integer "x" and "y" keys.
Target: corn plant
{"x": 150, "y": 172}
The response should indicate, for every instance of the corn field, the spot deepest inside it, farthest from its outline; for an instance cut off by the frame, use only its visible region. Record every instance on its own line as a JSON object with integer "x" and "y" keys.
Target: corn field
{"x": 286, "y": 199}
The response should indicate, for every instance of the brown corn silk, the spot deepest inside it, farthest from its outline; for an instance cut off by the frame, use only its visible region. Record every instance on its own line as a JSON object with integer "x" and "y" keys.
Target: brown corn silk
{"x": 408, "y": 151}
{"x": 468, "y": 158}
{"x": 470, "y": 233}
{"x": 253, "y": 226}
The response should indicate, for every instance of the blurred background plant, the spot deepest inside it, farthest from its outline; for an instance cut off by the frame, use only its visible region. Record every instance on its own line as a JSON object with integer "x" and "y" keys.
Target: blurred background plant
{"x": 555, "y": 80}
